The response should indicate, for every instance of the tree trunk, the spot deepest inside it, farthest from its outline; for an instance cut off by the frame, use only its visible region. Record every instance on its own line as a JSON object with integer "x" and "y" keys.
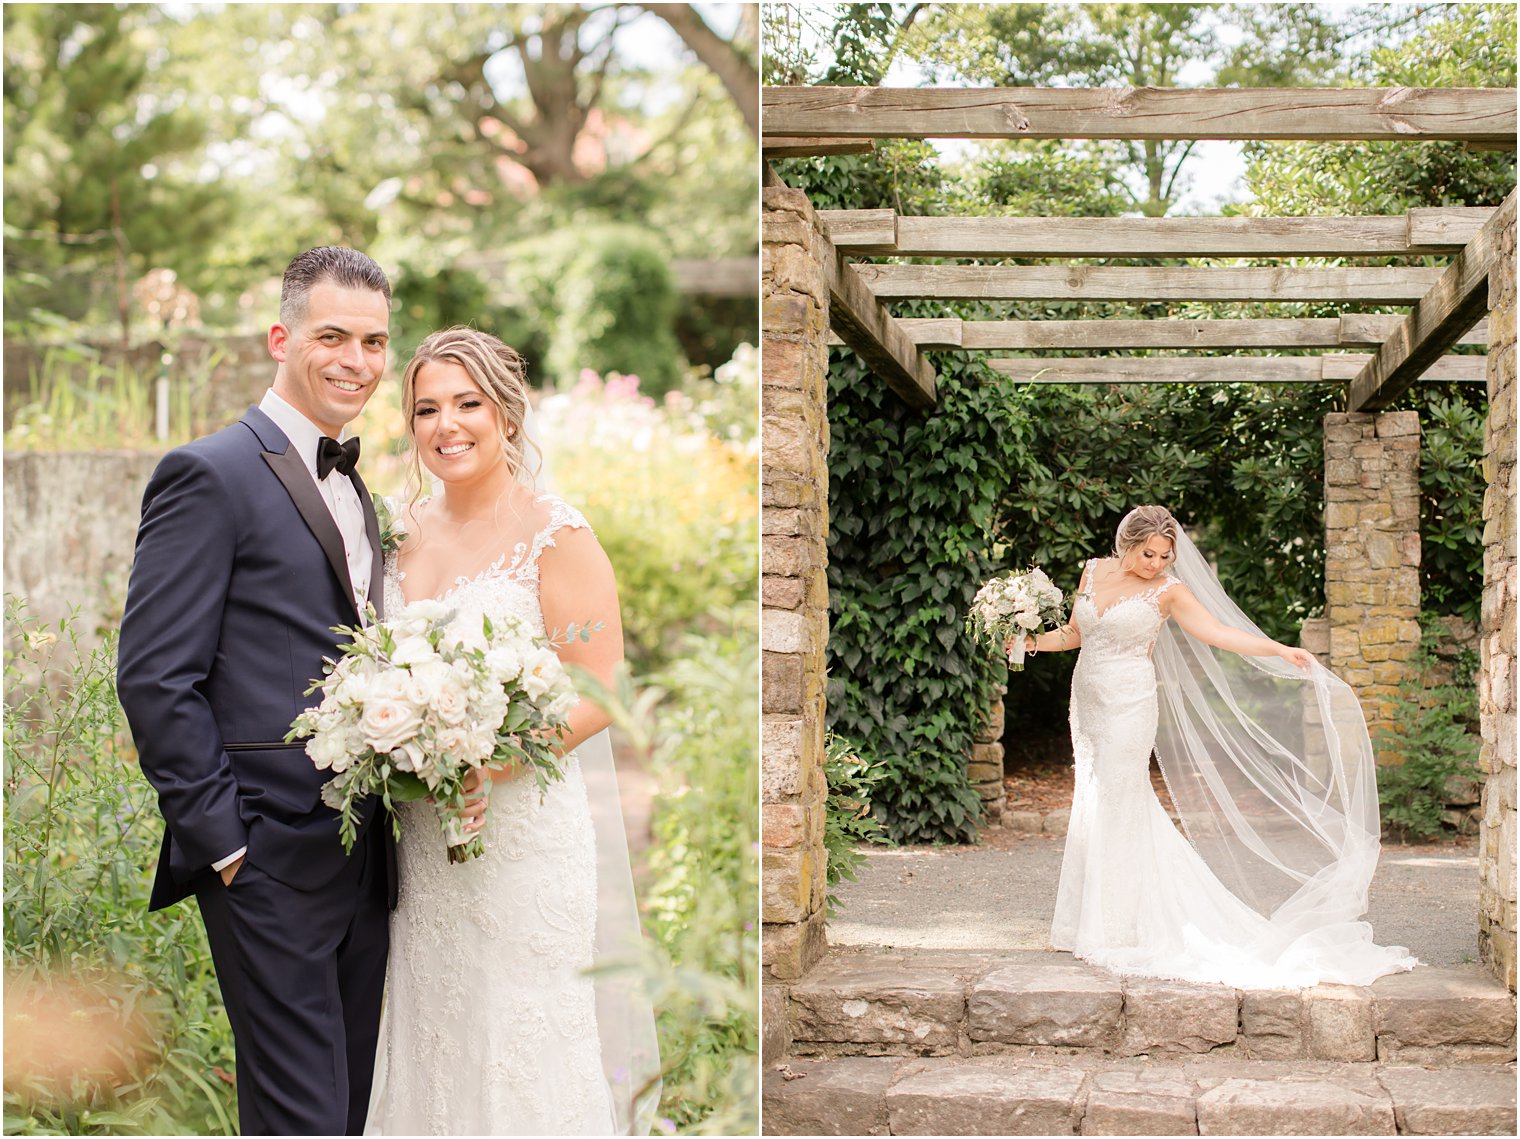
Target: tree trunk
{"x": 721, "y": 57}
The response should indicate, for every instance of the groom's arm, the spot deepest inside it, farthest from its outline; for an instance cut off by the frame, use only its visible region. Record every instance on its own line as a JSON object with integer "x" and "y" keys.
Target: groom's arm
{"x": 170, "y": 635}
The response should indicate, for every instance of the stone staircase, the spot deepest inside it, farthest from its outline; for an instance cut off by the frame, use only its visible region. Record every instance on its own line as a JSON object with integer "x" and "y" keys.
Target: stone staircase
{"x": 956, "y": 1043}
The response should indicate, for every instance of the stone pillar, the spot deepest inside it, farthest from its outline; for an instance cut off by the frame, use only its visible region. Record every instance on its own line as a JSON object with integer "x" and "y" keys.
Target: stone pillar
{"x": 1372, "y": 555}
{"x": 794, "y": 588}
{"x": 1496, "y": 670}
{"x": 985, "y": 768}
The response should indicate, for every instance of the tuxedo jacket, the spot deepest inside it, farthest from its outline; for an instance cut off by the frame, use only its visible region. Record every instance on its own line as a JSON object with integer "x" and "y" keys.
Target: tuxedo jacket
{"x": 238, "y": 581}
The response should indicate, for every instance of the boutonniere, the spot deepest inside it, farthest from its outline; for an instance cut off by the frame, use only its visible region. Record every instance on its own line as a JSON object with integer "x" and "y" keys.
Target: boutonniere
{"x": 391, "y": 534}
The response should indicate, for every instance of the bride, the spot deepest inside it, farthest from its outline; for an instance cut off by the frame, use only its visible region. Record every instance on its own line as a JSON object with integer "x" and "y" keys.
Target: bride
{"x": 491, "y": 1023}
{"x": 1266, "y": 756}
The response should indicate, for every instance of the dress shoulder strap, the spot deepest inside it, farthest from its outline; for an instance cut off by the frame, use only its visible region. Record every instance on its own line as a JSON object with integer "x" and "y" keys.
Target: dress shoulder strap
{"x": 1168, "y": 580}
{"x": 561, "y": 515}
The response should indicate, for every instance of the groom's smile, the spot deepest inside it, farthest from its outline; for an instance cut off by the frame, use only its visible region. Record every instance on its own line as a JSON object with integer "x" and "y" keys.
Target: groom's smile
{"x": 333, "y": 356}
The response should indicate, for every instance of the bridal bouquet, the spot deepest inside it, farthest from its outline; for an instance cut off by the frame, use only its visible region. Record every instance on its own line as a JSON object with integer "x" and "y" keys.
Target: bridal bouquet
{"x": 1015, "y": 605}
{"x": 413, "y": 705}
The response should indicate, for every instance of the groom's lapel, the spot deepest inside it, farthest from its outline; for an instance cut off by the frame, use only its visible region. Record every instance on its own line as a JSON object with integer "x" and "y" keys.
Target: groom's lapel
{"x": 292, "y": 472}
{"x": 377, "y": 562}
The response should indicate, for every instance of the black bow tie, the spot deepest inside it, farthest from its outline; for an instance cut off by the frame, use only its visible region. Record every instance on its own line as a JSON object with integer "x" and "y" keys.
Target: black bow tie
{"x": 331, "y": 453}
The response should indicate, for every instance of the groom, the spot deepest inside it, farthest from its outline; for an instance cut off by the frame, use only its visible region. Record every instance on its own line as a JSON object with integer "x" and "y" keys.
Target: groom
{"x": 255, "y": 542}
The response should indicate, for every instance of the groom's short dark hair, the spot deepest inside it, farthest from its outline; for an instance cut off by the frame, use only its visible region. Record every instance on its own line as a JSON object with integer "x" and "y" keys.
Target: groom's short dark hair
{"x": 336, "y": 263}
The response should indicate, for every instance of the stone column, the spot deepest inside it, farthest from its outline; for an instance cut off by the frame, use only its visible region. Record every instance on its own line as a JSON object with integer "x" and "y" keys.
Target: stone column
{"x": 794, "y": 590}
{"x": 1496, "y": 670}
{"x": 1372, "y": 555}
{"x": 985, "y": 768}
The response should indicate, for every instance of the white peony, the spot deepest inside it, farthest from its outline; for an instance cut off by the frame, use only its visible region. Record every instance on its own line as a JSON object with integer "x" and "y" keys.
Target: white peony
{"x": 541, "y": 672}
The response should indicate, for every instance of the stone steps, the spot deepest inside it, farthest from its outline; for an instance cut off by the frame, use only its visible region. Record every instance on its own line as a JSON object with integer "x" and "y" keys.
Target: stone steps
{"x": 945, "y": 1003}
{"x": 1091, "y": 1094}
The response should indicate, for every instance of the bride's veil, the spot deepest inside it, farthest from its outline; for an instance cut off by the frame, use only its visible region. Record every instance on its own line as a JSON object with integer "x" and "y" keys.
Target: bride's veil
{"x": 624, "y": 1014}
{"x": 1272, "y": 773}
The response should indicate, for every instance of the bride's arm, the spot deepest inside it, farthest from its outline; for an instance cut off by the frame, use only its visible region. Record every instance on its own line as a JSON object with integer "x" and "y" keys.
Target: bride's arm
{"x": 1197, "y": 622}
{"x": 577, "y": 587}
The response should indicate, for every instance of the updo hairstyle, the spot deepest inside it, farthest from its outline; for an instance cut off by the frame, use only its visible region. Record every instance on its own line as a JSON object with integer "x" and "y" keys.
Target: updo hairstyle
{"x": 1143, "y": 523}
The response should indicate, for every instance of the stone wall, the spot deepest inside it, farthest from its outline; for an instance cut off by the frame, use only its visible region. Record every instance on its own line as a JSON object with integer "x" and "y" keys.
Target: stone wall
{"x": 1372, "y": 555}
{"x": 794, "y": 590}
{"x": 70, "y": 528}
{"x": 1496, "y": 671}
{"x": 985, "y": 767}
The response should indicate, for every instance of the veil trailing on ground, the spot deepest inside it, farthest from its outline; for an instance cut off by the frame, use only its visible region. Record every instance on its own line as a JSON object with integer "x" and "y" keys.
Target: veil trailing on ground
{"x": 624, "y": 1014}
{"x": 1272, "y": 773}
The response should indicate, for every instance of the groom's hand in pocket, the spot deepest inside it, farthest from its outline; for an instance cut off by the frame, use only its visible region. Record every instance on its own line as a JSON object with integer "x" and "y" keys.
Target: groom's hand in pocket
{"x": 229, "y": 872}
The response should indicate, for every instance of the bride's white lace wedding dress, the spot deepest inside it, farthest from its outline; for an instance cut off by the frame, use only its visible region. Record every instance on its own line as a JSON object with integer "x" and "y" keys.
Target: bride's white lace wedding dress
{"x": 1135, "y": 897}
{"x": 490, "y": 1025}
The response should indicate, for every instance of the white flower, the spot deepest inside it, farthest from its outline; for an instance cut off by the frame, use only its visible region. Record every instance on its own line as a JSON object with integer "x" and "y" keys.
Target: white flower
{"x": 505, "y": 662}
{"x": 427, "y": 610}
{"x": 451, "y": 702}
{"x": 389, "y": 723}
{"x": 562, "y": 705}
{"x": 327, "y": 751}
{"x": 541, "y": 672}
{"x": 412, "y": 650}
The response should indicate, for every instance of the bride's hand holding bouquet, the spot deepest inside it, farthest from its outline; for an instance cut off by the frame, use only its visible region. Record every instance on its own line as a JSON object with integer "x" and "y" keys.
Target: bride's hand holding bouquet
{"x": 1007, "y": 609}
{"x": 427, "y": 706}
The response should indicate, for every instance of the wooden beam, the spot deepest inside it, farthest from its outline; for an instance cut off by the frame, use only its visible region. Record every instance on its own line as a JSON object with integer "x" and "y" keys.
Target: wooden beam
{"x": 1456, "y": 302}
{"x": 1215, "y": 369}
{"x": 1108, "y": 283}
{"x": 1347, "y": 331}
{"x": 1447, "y": 225}
{"x": 853, "y": 231}
{"x": 1366, "y": 330}
{"x": 1029, "y": 237}
{"x": 1324, "y": 113}
{"x": 814, "y": 147}
{"x": 867, "y": 327}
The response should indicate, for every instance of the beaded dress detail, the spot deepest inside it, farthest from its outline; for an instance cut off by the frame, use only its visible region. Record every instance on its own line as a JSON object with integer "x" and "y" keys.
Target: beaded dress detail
{"x": 1135, "y": 897}
{"x": 490, "y": 1028}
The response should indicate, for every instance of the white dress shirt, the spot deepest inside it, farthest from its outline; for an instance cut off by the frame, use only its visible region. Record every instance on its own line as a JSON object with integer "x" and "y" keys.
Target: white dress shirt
{"x": 342, "y": 499}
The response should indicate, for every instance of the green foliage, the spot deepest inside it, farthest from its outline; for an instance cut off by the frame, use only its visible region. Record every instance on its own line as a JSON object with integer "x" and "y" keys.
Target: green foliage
{"x": 82, "y": 828}
{"x": 1433, "y": 733}
{"x": 911, "y": 503}
{"x": 95, "y": 171}
{"x": 847, "y": 819}
{"x": 427, "y": 297}
{"x": 695, "y": 733}
{"x": 605, "y": 295}
{"x": 1463, "y": 45}
{"x": 1451, "y": 494}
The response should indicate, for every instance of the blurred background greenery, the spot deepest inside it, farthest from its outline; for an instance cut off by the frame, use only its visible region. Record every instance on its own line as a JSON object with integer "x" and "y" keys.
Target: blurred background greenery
{"x": 580, "y": 180}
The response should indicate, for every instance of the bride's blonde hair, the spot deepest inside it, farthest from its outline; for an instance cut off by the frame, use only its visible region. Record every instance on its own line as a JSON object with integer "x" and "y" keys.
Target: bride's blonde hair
{"x": 502, "y": 375}
{"x": 1143, "y": 523}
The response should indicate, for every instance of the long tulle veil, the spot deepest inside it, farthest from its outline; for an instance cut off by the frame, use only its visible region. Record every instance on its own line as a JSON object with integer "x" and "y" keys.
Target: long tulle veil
{"x": 1272, "y": 773}
{"x": 625, "y": 1016}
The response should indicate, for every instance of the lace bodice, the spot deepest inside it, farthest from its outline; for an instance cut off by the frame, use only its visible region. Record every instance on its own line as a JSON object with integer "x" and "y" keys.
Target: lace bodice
{"x": 1127, "y": 627}
{"x": 509, "y": 584}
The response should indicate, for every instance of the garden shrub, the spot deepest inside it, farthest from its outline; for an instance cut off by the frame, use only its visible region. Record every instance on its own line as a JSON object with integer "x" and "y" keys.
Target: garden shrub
{"x": 606, "y": 297}
{"x": 847, "y": 819}
{"x": 1432, "y": 733}
{"x": 82, "y": 833}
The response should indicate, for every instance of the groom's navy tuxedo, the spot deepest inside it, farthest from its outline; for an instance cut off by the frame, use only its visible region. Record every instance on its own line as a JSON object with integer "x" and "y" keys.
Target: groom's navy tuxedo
{"x": 238, "y": 581}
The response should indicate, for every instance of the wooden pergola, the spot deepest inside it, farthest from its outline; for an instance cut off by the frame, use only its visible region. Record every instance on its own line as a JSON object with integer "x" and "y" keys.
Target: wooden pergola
{"x": 1447, "y": 305}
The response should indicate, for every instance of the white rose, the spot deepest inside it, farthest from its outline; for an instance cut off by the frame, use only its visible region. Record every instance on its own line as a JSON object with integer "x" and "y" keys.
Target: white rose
{"x": 392, "y": 684}
{"x": 467, "y": 744}
{"x": 389, "y": 723}
{"x": 451, "y": 703}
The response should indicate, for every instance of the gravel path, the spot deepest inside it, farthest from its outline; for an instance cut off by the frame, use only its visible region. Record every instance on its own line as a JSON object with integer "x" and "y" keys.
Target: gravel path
{"x": 1000, "y": 895}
